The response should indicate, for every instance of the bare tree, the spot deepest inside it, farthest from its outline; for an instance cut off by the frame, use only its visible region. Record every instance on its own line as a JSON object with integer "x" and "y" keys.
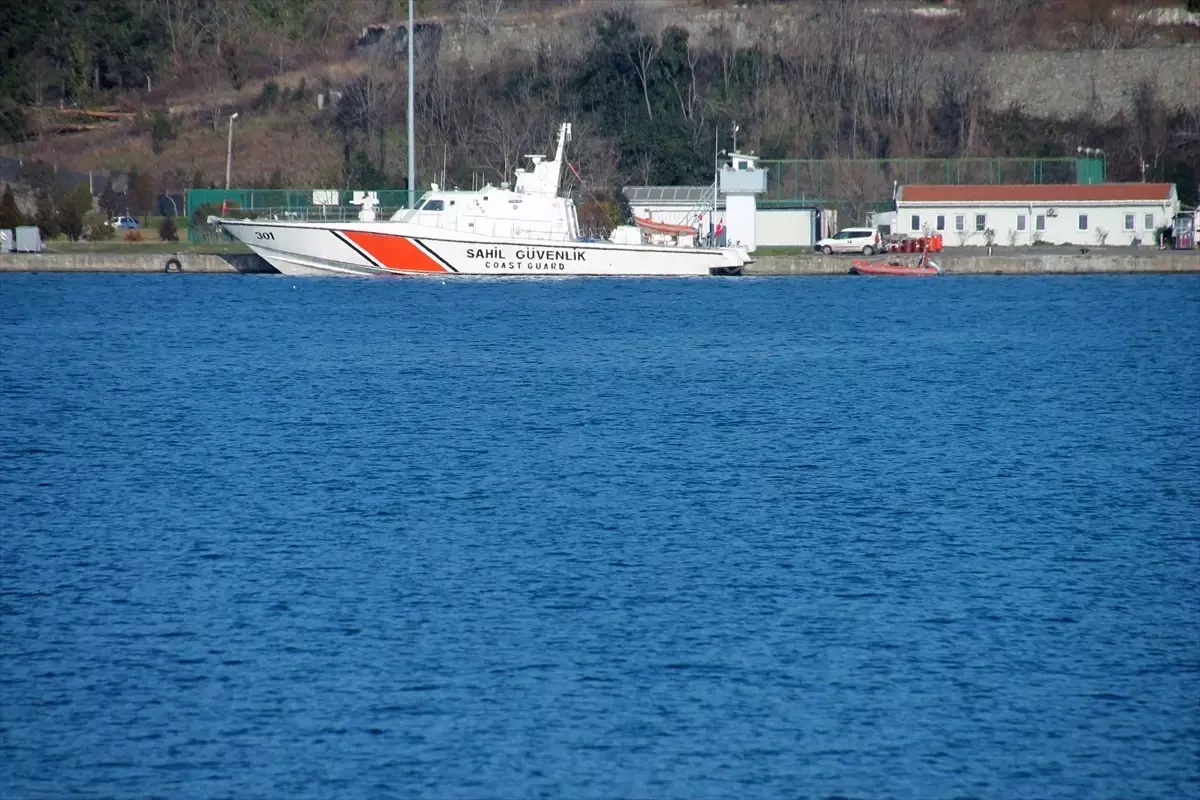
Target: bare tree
{"x": 479, "y": 15}
{"x": 1149, "y": 128}
{"x": 505, "y": 136}
{"x": 643, "y": 57}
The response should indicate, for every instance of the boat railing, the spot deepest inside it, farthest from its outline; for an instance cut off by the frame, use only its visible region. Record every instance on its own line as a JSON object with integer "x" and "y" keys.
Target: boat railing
{"x": 346, "y": 213}
{"x": 484, "y": 225}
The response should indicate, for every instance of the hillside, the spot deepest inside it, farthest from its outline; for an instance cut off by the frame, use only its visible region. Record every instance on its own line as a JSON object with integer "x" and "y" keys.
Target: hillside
{"x": 319, "y": 86}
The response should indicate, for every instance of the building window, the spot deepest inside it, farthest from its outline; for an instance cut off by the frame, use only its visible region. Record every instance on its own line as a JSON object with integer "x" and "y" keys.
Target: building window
{"x": 1020, "y": 222}
{"x": 1148, "y": 222}
{"x": 916, "y": 222}
{"x": 980, "y": 222}
{"x": 1129, "y": 222}
{"x": 959, "y": 222}
{"x": 941, "y": 222}
{"x": 1039, "y": 222}
{"x": 1083, "y": 222}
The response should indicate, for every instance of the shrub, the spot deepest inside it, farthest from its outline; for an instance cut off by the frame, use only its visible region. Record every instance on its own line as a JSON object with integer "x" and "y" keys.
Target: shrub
{"x": 133, "y": 236}
{"x": 101, "y": 231}
{"x": 166, "y": 231}
{"x": 300, "y": 92}
{"x": 268, "y": 97}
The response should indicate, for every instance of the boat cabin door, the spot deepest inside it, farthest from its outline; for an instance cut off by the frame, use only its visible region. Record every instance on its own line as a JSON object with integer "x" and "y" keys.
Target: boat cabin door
{"x": 439, "y": 212}
{"x": 450, "y": 215}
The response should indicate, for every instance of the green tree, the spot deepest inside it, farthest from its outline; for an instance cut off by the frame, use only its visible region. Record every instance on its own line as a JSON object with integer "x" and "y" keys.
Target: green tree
{"x": 10, "y": 213}
{"x": 70, "y": 221}
{"x": 14, "y": 126}
{"x": 78, "y": 70}
{"x": 44, "y": 216}
{"x": 110, "y": 201}
{"x": 141, "y": 192}
{"x": 360, "y": 173}
{"x": 70, "y": 208}
{"x": 161, "y": 130}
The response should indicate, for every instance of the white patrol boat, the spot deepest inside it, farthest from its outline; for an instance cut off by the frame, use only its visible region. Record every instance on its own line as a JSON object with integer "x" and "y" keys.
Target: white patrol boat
{"x": 526, "y": 230}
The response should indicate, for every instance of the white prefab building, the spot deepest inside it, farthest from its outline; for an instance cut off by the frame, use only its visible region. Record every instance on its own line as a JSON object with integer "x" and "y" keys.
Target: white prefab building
{"x": 1022, "y": 215}
{"x": 789, "y": 227}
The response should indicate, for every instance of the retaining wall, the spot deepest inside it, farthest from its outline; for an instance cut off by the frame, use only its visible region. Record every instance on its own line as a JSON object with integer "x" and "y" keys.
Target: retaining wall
{"x": 1183, "y": 261}
{"x": 120, "y": 262}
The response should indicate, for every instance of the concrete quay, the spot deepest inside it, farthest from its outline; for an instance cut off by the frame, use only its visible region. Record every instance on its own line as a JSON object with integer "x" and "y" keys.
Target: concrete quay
{"x": 1019, "y": 262}
{"x": 965, "y": 262}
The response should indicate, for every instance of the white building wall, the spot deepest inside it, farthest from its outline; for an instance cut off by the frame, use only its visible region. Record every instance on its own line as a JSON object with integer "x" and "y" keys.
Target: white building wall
{"x": 785, "y": 227}
{"x": 1061, "y": 222}
{"x": 740, "y": 221}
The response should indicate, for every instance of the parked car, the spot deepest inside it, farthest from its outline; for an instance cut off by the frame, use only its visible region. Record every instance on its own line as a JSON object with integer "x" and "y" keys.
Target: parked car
{"x": 852, "y": 240}
{"x": 128, "y": 223}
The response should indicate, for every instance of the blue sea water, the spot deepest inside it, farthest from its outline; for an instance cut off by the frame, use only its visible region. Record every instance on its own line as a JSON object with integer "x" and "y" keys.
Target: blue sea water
{"x": 729, "y": 538}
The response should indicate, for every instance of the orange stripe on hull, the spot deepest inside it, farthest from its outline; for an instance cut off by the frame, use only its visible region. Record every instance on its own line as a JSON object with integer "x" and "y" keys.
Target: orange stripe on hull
{"x": 394, "y": 252}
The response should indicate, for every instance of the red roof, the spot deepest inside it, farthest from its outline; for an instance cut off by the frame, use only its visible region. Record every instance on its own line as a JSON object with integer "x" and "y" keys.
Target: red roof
{"x": 1039, "y": 193}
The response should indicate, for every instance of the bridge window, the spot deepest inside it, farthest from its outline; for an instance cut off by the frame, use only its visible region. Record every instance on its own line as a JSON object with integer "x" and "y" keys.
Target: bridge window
{"x": 434, "y": 205}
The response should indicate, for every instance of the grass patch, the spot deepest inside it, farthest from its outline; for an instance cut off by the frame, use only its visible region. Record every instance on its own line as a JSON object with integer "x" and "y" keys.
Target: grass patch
{"x": 784, "y": 251}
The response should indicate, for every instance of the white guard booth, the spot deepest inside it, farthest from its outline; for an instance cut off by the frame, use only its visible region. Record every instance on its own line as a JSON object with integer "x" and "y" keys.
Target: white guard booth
{"x": 741, "y": 182}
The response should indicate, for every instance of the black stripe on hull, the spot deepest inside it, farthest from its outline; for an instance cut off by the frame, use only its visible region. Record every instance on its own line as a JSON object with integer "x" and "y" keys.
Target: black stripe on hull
{"x": 429, "y": 252}
{"x": 360, "y": 251}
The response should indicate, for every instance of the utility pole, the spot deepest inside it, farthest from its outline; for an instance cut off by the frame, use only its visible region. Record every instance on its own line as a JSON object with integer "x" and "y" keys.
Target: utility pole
{"x": 412, "y": 159}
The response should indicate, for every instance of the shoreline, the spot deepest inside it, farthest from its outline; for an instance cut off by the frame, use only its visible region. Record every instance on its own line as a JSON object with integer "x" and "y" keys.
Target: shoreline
{"x": 952, "y": 263}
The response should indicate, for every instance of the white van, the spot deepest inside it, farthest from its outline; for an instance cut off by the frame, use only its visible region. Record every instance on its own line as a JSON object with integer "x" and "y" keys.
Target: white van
{"x": 852, "y": 240}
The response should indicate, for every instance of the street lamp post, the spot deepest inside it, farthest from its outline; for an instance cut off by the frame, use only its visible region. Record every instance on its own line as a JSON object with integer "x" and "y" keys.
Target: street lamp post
{"x": 229, "y": 150}
{"x": 412, "y": 168}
